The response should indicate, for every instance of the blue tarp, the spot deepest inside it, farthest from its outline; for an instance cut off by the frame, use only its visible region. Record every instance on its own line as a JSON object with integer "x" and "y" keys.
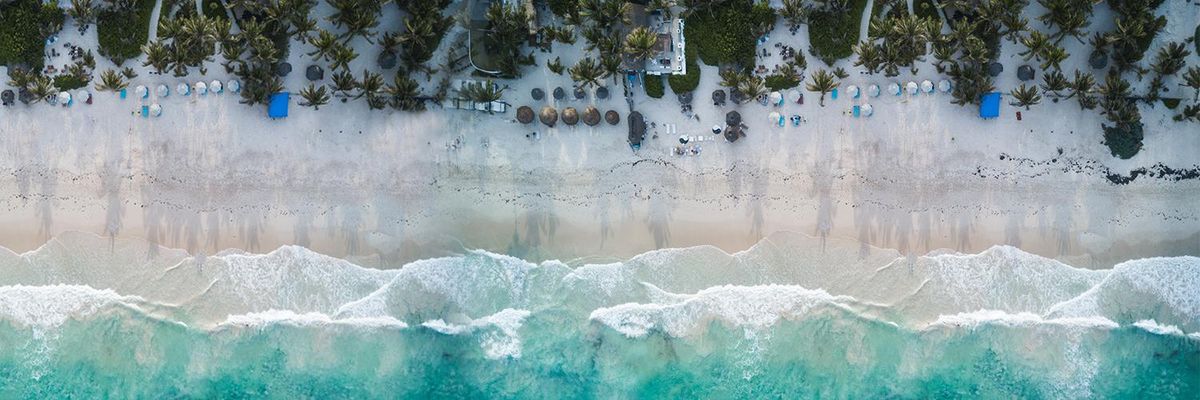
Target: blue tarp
{"x": 990, "y": 106}
{"x": 278, "y": 108}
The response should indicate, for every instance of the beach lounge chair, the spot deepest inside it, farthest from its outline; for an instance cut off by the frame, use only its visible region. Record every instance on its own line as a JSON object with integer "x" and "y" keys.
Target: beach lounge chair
{"x": 855, "y": 111}
{"x": 833, "y": 94}
{"x": 145, "y": 111}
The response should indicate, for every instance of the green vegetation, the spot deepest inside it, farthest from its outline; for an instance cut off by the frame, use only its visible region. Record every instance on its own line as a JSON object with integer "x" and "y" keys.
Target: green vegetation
{"x": 215, "y": 9}
{"x": 123, "y": 29}
{"x": 833, "y": 30}
{"x": 780, "y": 82}
{"x": 69, "y": 82}
{"x": 24, "y": 27}
{"x": 689, "y": 81}
{"x": 654, "y": 86}
{"x": 1123, "y": 140}
{"x": 725, "y": 33}
{"x": 926, "y": 9}
{"x": 1171, "y": 103}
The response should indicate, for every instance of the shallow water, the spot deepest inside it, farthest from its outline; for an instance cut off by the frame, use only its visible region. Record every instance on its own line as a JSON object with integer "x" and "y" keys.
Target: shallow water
{"x": 791, "y": 317}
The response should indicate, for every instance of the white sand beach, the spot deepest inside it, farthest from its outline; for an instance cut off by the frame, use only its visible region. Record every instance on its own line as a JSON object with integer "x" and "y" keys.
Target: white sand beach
{"x": 386, "y": 187}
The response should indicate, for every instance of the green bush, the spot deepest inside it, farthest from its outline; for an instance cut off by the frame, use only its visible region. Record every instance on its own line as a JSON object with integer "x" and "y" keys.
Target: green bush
{"x": 725, "y": 32}
{"x": 69, "y": 82}
{"x": 215, "y": 9}
{"x": 688, "y": 82}
{"x": 926, "y": 9}
{"x": 1171, "y": 103}
{"x": 780, "y": 82}
{"x": 834, "y": 34}
{"x": 122, "y": 33}
{"x": 24, "y": 27}
{"x": 1124, "y": 141}
{"x": 654, "y": 86}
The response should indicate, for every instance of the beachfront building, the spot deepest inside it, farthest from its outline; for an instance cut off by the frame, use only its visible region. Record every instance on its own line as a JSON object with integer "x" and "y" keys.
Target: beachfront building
{"x": 668, "y": 57}
{"x": 481, "y": 57}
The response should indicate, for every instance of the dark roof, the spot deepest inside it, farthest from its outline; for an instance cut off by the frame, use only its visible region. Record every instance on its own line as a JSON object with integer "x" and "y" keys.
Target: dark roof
{"x": 685, "y": 98}
{"x": 995, "y": 68}
{"x": 559, "y": 93}
{"x": 718, "y": 96}
{"x": 1025, "y": 72}
{"x": 637, "y": 128}
{"x": 283, "y": 69}
{"x": 314, "y": 73}
{"x": 602, "y": 92}
{"x": 537, "y": 93}
{"x": 733, "y": 118}
{"x": 580, "y": 93}
{"x": 1098, "y": 60}
{"x": 386, "y": 60}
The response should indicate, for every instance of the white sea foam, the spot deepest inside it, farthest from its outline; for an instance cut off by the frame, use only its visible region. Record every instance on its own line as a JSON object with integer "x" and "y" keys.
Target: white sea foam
{"x": 291, "y": 318}
{"x": 498, "y": 333}
{"x": 754, "y": 307}
{"x": 979, "y": 318}
{"x": 51, "y": 306}
{"x": 1153, "y": 326}
{"x": 1162, "y": 289}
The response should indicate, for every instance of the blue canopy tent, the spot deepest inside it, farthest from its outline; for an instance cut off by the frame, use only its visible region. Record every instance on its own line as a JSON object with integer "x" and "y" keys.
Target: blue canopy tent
{"x": 989, "y": 107}
{"x": 278, "y": 107}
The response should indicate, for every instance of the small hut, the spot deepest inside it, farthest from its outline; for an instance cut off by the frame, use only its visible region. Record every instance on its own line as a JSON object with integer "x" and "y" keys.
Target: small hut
{"x": 570, "y": 116}
{"x": 580, "y": 94}
{"x": 549, "y": 116}
{"x": 1025, "y": 73}
{"x": 733, "y": 118}
{"x": 995, "y": 68}
{"x": 386, "y": 60}
{"x": 718, "y": 97}
{"x": 525, "y": 114}
{"x": 733, "y": 133}
{"x": 537, "y": 94}
{"x": 283, "y": 69}
{"x": 637, "y": 129}
{"x": 8, "y": 97}
{"x": 601, "y": 93}
{"x": 591, "y": 116}
{"x": 612, "y": 117}
{"x": 314, "y": 73}
{"x": 559, "y": 93}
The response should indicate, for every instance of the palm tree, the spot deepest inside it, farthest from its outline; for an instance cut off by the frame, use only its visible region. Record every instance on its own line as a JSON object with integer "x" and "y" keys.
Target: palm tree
{"x": 1025, "y": 96}
{"x": 1035, "y": 45}
{"x": 314, "y": 96}
{"x": 157, "y": 56}
{"x": 1053, "y": 56}
{"x": 40, "y": 86}
{"x": 111, "y": 81}
{"x": 1170, "y": 59}
{"x": 1082, "y": 87}
{"x": 325, "y": 45}
{"x": 795, "y": 13}
{"x": 342, "y": 57}
{"x": 639, "y": 44}
{"x": 732, "y": 78}
{"x": 343, "y": 82}
{"x": 1054, "y": 81}
{"x": 403, "y": 93}
{"x": 1191, "y": 79}
{"x": 555, "y": 65}
{"x": 82, "y": 12}
{"x": 752, "y": 87}
{"x": 611, "y": 65}
{"x": 824, "y": 82}
{"x": 868, "y": 56}
{"x": 587, "y": 72}
{"x": 370, "y": 85}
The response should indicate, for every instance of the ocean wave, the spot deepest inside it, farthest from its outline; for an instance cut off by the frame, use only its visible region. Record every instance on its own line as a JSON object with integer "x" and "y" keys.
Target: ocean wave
{"x": 497, "y": 333}
{"x": 311, "y": 319}
{"x": 979, "y": 318}
{"x": 51, "y": 306}
{"x": 1162, "y": 289}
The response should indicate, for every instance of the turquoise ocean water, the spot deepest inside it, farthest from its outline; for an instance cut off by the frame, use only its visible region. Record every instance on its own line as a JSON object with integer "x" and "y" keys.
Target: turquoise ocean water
{"x": 789, "y": 318}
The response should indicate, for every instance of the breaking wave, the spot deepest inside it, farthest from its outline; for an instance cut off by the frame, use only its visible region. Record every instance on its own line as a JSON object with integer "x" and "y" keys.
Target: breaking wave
{"x": 670, "y": 322}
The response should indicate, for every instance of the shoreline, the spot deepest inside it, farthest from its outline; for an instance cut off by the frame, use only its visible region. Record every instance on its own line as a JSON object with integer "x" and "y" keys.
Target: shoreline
{"x": 209, "y": 177}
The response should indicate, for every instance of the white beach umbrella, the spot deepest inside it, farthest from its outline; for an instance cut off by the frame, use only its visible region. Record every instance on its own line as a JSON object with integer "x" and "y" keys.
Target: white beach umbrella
{"x": 162, "y": 91}
{"x": 83, "y": 95}
{"x": 911, "y": 87}
{"x": 873, "y": 90}
{"x": 927, "y": 86}
{"x": 774, "y": 117}
{"x": 142, "y": 92}
{"x": 233, "y": 85}
{"x": 215, "y": 86}
{"x": 867, "y": 110}
{"x": 894, "y": 88}
{"x": 853, "y": 91}
{"x": 64, "y": 98}
{"x": 944, "y": 86}
{"x": 155, "y": 110}
{"x": 794, "y": 96}
{"x": 201, "y": 88}
{"x": 183, "y": 89}
{"x": 776, "y": 98}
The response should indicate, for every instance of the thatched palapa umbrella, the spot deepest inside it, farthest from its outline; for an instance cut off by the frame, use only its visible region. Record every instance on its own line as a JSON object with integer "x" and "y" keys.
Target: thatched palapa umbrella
{"x": 549, "y": 116}
{"x": 612, "y": 117}
{"x": 733, "y": 118}
{"x": 283, "y": 69}
{"x": 570, "y": 116}
{"x": 733, "y": 133}
{"x": 591, "y": 116}
{"x": 525, "y": 114}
